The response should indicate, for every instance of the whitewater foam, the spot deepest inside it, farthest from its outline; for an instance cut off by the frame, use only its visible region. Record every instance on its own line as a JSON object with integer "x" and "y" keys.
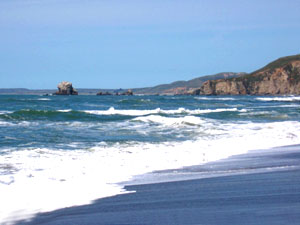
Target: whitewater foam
{"x": 113, "y": 111}
{"x": 216, "y": 98}
{"x": 281, "y": 99}
{"x": 64, "y": 110}
{"x": 5, "y": 123}
{"x": 46, "y": 179}
{"x": 5, "y": 112}
{"x": 21, "y": 124}
{"x": 44, "y": 99}
{"x": 170, "y": 121}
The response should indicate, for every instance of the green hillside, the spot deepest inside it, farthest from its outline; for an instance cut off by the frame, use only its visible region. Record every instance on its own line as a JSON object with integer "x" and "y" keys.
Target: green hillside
{"x": 194, "y": 83}
{"x": 281, "y": 62}
{"x": 278, "y": 63}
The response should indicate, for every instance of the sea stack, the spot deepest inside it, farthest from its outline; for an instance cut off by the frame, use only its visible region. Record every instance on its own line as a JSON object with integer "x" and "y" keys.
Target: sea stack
{"x": 66, "y": 88}
{"x": 128, "y": 92}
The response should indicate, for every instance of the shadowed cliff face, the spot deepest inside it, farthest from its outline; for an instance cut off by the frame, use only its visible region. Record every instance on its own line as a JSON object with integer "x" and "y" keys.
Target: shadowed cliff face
{"x": 280, "y": 80}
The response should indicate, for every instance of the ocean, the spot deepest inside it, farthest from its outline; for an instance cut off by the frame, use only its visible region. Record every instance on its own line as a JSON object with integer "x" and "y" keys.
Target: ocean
{"x": 63, "y": 151}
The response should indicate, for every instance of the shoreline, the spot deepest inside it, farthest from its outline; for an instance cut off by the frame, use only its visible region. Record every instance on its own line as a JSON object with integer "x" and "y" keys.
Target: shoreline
{"x": 261, "y": 182}
{"x": 252, "y": 161}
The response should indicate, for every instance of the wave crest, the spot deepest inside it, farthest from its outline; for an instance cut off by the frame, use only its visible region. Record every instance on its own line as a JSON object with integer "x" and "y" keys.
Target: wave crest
{"x": 280, "y": 99}
{"x": 131, "y": 112}
{"x": 170, "y": 121}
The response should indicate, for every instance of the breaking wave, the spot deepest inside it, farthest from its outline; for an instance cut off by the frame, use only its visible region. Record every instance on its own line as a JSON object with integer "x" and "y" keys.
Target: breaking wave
{"x": 52, "y": 178}
{"x": 113, "y": 111}
{"x": 280, "y": 99}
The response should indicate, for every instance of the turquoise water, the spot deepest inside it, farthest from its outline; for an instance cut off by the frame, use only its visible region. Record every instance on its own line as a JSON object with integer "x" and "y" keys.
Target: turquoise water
{"x": 57, "y": 122}
{"x": 54, "y": 147}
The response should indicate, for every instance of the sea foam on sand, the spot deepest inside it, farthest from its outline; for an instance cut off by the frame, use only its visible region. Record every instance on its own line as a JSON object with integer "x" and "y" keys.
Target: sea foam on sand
{"x": 44, "y": 179}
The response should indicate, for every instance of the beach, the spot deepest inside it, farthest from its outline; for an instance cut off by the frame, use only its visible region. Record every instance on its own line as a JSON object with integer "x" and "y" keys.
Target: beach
{"x": 64, "y": 154}
{"x": 149, "y": 112}
{"x": 261, "y": 187}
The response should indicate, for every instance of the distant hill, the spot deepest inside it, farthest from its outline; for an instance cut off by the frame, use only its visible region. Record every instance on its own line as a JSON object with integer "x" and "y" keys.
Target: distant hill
{"x": 177, "y": 87}
{"x": 182, "y": 87}
{"x": 24, "y": 91}
{"x": 279, "y": 77}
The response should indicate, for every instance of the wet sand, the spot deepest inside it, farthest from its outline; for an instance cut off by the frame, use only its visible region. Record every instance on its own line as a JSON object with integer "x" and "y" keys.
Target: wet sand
{"x": 262, "y": 187}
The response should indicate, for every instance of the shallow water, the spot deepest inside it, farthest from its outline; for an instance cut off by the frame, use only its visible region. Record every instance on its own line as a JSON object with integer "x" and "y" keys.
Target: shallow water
{"x": 259, "y": 187}
{"x": 60, "y": 151}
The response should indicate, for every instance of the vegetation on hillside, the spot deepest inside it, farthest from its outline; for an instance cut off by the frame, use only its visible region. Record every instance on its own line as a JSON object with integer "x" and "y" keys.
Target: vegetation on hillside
{"x": 261, "y": 73}
{"x": 278, "y": 63}
{"x": 194, "y": 83}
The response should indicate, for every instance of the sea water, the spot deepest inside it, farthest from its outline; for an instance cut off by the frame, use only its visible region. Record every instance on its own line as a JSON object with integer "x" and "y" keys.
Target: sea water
{"x": 62, "y": 151}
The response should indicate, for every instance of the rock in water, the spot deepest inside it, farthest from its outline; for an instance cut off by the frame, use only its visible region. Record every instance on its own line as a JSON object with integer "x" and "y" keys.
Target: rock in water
{"x": 66, "y": 88}
{"x": 129, "y": 92}
{"x": 103, "y": 93}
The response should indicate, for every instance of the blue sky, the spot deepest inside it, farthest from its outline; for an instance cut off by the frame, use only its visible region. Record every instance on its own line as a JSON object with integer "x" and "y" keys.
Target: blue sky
{"x": 139, "y": 43}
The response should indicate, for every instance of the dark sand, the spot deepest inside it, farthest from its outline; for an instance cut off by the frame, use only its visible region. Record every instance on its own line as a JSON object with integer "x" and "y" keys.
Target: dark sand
{"x": 258, "y": 188}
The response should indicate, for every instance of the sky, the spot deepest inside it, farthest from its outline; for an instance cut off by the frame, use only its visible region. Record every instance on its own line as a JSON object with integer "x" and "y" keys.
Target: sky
{"x": 140, "y": 43}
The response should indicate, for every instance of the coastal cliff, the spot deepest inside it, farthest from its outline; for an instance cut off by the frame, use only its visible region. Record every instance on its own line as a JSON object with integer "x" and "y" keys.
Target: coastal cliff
{"x": 184, "y": 87}
{"x": 277, "y": 78}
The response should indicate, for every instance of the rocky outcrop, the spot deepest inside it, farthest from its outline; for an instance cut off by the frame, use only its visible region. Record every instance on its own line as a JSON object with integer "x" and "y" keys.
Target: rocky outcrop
{"x": 128, "y": 92}
{"x": 103, "y": 93}
{"x": 176, "y": 91}
{"x": 65, "y": 88}
{"x": 280, "y": 77}
{"x": 222, "y": 87}
{"x": 184, "y": 87}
